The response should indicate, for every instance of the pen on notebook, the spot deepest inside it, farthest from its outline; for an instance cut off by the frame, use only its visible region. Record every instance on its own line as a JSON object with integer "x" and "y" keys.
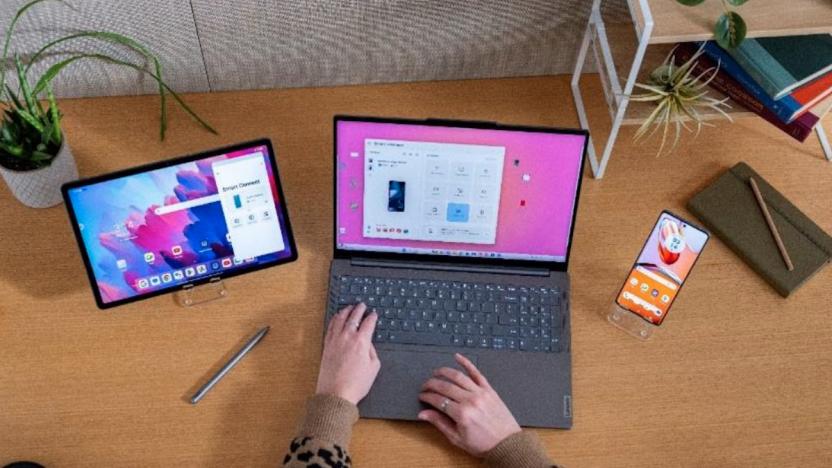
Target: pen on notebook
{"x": 238, "y": 356}
{"x": 774, "y": 232}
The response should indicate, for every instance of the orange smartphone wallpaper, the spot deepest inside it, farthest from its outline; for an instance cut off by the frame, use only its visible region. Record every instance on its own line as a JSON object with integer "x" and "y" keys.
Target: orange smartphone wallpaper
{"x": 664, "y": 263}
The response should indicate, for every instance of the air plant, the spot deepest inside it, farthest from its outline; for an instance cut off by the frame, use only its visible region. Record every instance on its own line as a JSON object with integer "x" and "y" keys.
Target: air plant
{"x": 679, "y": 96}
{"x": 730, "y": 28}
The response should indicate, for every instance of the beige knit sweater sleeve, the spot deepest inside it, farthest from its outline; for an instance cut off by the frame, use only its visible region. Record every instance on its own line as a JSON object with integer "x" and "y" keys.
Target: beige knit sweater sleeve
{"x": 323, "y": 434}
{"x": 325, "y": 430}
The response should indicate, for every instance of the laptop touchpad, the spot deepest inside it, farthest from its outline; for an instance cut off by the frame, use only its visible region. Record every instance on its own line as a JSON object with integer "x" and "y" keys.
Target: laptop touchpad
{"x": 395, "y": 394}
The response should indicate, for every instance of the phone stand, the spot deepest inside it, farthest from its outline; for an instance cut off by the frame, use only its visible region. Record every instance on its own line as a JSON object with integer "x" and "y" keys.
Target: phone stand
{"x": 630, "y": 322}
{"x": 192, "y": 295}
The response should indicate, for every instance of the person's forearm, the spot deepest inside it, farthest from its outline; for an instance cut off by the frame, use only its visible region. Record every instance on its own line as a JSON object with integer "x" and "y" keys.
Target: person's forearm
{"x": 323, "y": 434}
{"x": 520, "y": 450}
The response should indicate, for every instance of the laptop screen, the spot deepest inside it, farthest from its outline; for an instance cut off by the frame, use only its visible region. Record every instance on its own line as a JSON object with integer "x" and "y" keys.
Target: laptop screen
{"x": 420, "y": 188}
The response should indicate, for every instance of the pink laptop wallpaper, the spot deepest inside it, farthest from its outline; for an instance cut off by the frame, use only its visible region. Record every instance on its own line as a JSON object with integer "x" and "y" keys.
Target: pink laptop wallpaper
{"x": 442, "y": 190}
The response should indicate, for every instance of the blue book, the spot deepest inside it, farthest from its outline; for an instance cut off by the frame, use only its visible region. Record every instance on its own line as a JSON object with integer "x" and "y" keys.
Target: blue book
{"x": 786, "y": 109}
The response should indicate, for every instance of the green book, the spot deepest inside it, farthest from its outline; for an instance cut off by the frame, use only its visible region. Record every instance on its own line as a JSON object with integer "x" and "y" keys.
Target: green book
{"x": 729, "y": 209}
{"x": 782, "y": 64}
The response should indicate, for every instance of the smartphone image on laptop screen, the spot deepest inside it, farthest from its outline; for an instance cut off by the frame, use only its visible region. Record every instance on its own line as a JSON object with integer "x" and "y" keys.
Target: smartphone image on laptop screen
{"x": 665, "y": 261}
{"x": 395, "y": 196}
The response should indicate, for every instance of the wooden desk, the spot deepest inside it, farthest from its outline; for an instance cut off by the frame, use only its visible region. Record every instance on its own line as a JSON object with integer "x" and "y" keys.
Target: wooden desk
{"x": 737, "y": 377}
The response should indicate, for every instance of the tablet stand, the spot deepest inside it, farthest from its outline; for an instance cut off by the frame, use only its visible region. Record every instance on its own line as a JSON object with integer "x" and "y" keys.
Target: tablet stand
{"x": 630, "y": 322}
{"x": 192, "y": 295}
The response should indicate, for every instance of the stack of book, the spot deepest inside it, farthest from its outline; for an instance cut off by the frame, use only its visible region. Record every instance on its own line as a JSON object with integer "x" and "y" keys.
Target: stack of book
{"x": 785, "y": 80}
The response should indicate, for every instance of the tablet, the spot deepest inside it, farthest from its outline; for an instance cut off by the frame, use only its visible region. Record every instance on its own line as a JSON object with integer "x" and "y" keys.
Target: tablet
{"x": 164, "y": 226}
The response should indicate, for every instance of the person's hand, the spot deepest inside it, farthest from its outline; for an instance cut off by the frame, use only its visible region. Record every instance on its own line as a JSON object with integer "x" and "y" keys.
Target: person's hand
{"x": 349, "y": 364}
{"x": 469, "y": 412}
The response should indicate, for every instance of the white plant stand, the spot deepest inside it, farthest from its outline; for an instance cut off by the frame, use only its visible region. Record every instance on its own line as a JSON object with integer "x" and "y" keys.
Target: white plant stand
{"x": 767, "y": 18}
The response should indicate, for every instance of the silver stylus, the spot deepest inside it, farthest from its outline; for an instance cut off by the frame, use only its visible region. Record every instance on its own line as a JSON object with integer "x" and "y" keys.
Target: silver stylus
{"x": 228, "y": 366}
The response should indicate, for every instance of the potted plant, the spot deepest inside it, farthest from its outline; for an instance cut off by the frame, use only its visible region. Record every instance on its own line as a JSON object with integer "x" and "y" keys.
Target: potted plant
{"x": 35, "y": 158}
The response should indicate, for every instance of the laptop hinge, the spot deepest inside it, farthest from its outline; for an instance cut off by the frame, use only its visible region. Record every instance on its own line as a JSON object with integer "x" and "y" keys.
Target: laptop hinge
{"x": 495, "y": 270}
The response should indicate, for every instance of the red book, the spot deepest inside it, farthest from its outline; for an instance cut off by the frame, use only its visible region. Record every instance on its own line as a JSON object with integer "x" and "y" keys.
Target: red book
{"x": 799, "y": 129}
{"x": 814, "y": 91}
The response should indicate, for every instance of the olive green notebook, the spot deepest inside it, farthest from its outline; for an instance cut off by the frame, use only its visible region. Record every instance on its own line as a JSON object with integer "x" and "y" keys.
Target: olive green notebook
{"x": 728, "y": 208}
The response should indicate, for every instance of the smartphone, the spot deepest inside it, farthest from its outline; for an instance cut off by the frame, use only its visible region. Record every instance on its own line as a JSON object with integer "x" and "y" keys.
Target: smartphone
{"x": 395, "y": 196}
{"x": 667, "y": 258}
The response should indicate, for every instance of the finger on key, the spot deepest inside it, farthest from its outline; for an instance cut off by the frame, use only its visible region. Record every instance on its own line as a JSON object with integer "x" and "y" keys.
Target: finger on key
{"x": 336, "y": 323}
{"x": 354, "y": 320}
{"x": 368, "y": 326}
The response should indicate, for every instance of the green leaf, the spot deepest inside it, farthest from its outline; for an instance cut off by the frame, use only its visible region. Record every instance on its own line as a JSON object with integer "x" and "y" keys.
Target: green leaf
{"x": 120, "y": 40}
{"x": 690, "y": 2}
{"x": 175, "y": 96}
{"x": 15, "y": 101}
{"x": 30, "y": 119}
{"x": 42, "y": 156}
{"x": 41, "y": 110}
{"x": 730, "y": 30}
{"x": 28, "y": 97}
{"x": 5, "y": 133}
{"x": 162, "y": 84}
{"x": 16, "y": 151}
{"x": 35, "y": 117}
{"x": 736, "y": 2}
{"x": 53, "y": 71}
{"x": 102, "y": 35}
{"x": 8, "y": 38}
{"x": 54, "y": 116}
{"x": 48, "y": 131}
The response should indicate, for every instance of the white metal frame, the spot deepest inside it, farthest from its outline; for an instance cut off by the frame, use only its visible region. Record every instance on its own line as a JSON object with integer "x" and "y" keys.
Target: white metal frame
{"x": 618, "y": 99}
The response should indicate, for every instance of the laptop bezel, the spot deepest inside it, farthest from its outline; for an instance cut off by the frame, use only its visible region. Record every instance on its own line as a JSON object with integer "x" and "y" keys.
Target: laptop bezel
{"x": 459, "y": 260}
{"x": 239, "y": 270}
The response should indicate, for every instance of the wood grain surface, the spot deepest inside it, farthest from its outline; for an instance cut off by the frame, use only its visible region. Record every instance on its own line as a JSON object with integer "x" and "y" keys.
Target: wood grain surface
{"x": 675, "y": 22}
{"x": 737, "y": 377}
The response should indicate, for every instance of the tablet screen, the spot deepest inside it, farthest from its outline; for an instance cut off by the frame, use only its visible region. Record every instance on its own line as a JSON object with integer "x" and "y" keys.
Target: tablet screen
{"x": 157, "y": 228}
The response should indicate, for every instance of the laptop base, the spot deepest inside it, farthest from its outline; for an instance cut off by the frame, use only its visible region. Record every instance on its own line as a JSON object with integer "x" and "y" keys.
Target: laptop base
{"x": 536, "y": 386}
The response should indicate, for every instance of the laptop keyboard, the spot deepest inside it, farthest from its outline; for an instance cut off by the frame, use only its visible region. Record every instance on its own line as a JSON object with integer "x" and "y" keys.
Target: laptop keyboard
{"x": 457, "y": 313}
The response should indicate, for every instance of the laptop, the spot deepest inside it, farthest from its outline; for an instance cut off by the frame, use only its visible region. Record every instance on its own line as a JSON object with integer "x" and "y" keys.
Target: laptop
{"x": 458, "y": 235}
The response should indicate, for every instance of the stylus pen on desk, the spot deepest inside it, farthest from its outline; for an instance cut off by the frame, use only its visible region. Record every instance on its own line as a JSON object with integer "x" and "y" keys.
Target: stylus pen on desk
{"x": 239, "y": 355}
{"x": 771, "y": 226}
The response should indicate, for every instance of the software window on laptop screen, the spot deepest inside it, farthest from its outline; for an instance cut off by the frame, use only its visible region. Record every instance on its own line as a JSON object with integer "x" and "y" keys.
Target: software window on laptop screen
{"x": 425, "y": 189}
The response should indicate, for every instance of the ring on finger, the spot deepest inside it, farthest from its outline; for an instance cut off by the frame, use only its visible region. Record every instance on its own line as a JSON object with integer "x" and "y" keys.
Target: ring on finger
{"x": 355, "y": 324}
{"x": 444, "y": 405}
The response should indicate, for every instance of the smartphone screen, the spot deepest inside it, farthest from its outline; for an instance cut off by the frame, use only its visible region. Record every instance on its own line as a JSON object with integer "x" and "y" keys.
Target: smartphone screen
{"x": 660, "y": 270}
{"x": 395, "y": 196}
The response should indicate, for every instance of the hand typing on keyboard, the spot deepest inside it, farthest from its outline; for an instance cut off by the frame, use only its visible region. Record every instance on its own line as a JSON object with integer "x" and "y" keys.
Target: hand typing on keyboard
{"x": 468, "y": 411}
{"x": 349, "y": 364}
{"x": 459, "y": 314}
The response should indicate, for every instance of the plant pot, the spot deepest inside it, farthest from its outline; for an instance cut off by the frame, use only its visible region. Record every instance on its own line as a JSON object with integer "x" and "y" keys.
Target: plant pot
{"x": 41, "y": 188}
